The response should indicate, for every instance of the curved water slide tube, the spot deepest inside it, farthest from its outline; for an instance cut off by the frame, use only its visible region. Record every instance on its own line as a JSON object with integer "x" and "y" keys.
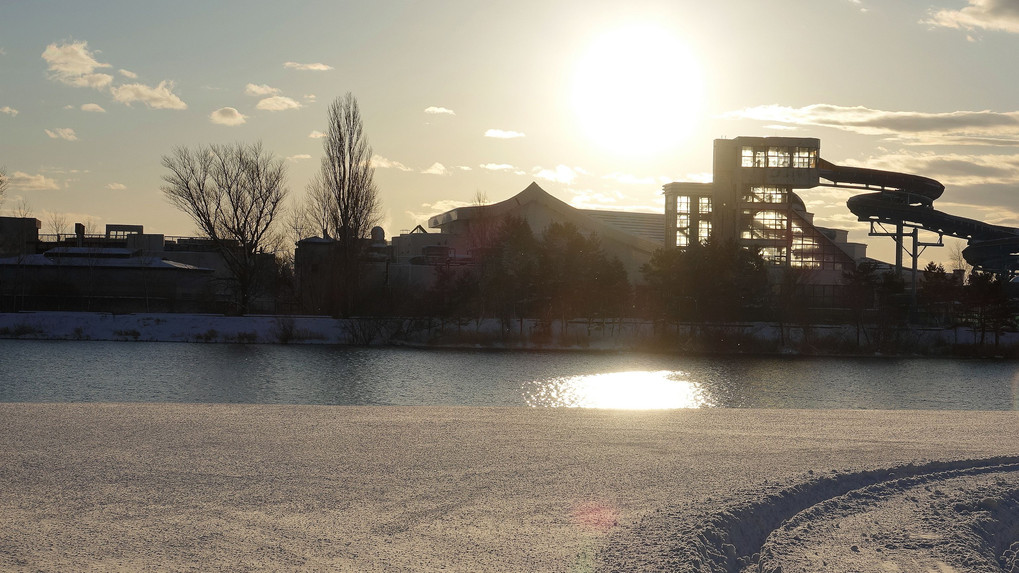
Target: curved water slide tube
{"x": 908, "y": 199}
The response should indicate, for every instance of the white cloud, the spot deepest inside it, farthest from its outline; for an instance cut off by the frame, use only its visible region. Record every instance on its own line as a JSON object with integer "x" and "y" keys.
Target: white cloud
{"x": 227, "y": 116}
{"x": 316, "y": 67}
{"x": 996, "y": 15}
{"x": 25, "y": 182}
{"x": 463, "y": 168}
{"x": 502, "y": 134}
{"x": 310, "y": 98}
{"x": 951, "y": 169}
{"x": 278, "y": 103}
{"x": 9, "y": 110}
{"x": 62, "y": 133}
{"x": 316, "y": 134}
{"x": 561, "y": 174}
{"x": 159, "y": 97}
{"x": 3, "y": 52}
{"x": 439, "y": 110}
{"x": 497, "y": 166}
{"x": 128, "y": 73}
{"x": 436, "y": 169}
{"x": 296, "y": 158}
{"x": 260, "y": 90}
{"x": 955, "y": 128}
{"x": 73, "y": 64}
{"x": 93, "y": 107}
{"x": 379, "y": 162}
{"x": 116, "y": 186}
{"x": 432, "y": 209}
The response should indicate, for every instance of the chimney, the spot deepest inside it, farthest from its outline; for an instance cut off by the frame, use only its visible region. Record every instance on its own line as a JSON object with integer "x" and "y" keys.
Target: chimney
{"x": 79, "y": 232}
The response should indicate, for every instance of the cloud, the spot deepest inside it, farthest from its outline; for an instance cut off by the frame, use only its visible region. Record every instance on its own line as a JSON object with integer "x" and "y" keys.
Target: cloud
{"x": 436, "y": 169}
{"x": 62, "y": 133}
{"x": 299, "y": 157}
{"x": 561, "y": 174}
{"x": 439, "y": 207}
{"x": 227, "y": 116}
{"x": 9, "y": 110}
{"x": 25, "y": 182}
{"x": 128, "y": 74}
{"x": 316, "y": 134}
{"x": 159, "y": 97}
{"x": 278, "y": 103}
{"x": 74, "y": 65}
{"x": 439, "y": 110}
{"x": 260, "y": 90}
{"x": 116, "y": 186}
{"x": 501, "y": 134}
{"x": 316, "y": 67}
{"x": 379, "y": 162}
{"x": 93, "y": 107}
{"x": 950, "y": 169}
{"x": 956, "y": 127}
{"x": 497, "y": 167}
{"x": 995, "y": 15}
{"x": 310, "y": 98}
{"x": 3, "y": 52}
{"x": 463, "y": 168}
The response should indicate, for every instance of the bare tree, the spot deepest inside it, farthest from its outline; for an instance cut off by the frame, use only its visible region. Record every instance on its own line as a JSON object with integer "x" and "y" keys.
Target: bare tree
{"x": 234, "y": 193}
{"x": 57, "y": 223}
{"x": 344, "y": 195}
{"x": 22, "y": 210}
{"x": 958, "y": 262}
{"x": 5, "y": 182}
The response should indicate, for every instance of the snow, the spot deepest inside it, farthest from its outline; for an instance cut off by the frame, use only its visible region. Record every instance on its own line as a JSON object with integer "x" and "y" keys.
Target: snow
{"x": 262, "y": 487}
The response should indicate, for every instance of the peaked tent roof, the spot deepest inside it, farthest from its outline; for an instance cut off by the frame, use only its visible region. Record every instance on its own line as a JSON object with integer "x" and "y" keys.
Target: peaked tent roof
{"x": 533, "y": 193}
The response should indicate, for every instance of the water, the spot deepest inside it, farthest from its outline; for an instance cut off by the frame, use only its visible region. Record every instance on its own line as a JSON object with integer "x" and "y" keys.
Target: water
{"x": 44, "y": 371}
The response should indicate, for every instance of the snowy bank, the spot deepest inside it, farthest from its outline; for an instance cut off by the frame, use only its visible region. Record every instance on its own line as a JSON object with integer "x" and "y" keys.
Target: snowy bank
{"x": 583, "y": 334}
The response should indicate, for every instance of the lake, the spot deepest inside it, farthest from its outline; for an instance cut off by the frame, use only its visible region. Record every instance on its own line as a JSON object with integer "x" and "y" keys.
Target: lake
{"x": 87, "y": 371}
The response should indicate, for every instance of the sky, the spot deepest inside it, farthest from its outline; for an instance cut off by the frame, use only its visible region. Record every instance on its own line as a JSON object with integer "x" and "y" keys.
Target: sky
{"x": 600, "y": 103}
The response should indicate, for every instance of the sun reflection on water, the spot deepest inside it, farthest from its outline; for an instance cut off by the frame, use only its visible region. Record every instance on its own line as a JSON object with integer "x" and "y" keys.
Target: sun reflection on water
{"x": 618, "y": 390}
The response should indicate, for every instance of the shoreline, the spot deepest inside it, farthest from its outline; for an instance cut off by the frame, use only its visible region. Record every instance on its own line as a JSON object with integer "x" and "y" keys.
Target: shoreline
{"x": 630, "y": 335}
{"x": 176, "y": 486}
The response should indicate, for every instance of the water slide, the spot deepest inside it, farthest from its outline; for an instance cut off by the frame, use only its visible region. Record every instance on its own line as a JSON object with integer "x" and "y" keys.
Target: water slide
{"x": 909, "y": 199}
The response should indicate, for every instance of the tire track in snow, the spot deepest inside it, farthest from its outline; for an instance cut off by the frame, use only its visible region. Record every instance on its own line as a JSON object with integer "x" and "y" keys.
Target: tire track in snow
{"x": 784, "y": 528}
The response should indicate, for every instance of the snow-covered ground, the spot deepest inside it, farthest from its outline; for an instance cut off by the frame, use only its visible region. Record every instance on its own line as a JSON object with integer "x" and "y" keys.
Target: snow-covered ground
{"x": 193, "y": 487}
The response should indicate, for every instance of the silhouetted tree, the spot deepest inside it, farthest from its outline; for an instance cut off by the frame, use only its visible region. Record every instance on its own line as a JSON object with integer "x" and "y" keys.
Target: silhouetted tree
{"x": 506, "y": 285}
{"x": 708, "y": 282}
{"x": 939, "y": 293}
{"x": 234, "y": 194}
{"x": 861, "y": 284}
{"x": 5, "y": 183}
{"x": 344, "y": 195}
{"x": 577, "y": 278}
{"x": 987, "y": 299}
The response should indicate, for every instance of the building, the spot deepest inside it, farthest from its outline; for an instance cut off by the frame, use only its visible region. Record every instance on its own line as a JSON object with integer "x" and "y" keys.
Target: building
{"x": 121, "y": 270}
{"x": 752, "y": 201}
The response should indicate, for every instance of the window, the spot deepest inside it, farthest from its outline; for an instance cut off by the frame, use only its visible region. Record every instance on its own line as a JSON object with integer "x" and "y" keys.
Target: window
{"x": 682, "y": 239}
{"x": 703, "y": 230}
{"x": 766, "y": 195}
{"x": 682, "y": 204}
{"x": 704, "y": 205}
{"x": 805, "y": 158}
{"x": 748, "y": 157}
{"x": 778, "y": 157}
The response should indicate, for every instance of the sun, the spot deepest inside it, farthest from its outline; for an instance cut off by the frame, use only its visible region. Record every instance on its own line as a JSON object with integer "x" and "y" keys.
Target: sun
{"x": 638, "y": 91}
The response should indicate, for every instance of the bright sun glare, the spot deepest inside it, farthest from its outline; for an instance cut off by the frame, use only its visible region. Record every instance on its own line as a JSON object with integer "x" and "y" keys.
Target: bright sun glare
{"x": 638, "y": 91}
{"x": 638, "y": 390}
